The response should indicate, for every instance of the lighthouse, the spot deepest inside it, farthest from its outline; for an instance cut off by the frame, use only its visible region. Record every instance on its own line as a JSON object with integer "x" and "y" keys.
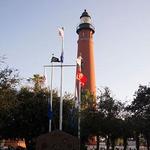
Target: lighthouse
{"x": 85, "y": 31}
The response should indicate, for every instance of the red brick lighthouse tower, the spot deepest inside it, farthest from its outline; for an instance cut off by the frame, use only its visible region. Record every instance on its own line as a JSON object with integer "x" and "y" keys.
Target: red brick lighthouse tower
{"x": 85, "y": 30}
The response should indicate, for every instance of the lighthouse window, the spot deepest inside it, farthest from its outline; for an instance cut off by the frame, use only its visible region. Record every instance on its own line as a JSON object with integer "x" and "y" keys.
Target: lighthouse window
{"x": 83, "y": 34}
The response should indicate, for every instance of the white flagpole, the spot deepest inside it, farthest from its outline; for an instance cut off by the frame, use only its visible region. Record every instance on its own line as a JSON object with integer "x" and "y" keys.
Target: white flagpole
{"x": 79, "y": 110}
{"x": 51, "y": 97}
{"x": 75, "y": 94}
{"x": 61, "y": 99}
{"x": 79, "y": 106}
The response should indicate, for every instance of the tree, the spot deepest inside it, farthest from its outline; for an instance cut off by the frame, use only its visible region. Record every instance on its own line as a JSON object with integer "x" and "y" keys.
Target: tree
{"x": 29, "y": 117}
{"x": 32, "y": 109}
{"x": 90, "y": 119}
{"x": 70, "y": 114}
{"x": 91, "y": 125}
{"x": 111, "y": 109}
{"x": 9, "y": 79}
{"x": 37, "y": 81}
{"x": 102, "y": 119}
{"x": 140, "y": 108}
{"x": 24, "y": 112}
{"x": 126, "y": 129}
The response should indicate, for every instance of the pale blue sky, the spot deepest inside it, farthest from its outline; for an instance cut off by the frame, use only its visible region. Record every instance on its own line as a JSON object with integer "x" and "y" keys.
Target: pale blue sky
{"x": 28, "y": 37}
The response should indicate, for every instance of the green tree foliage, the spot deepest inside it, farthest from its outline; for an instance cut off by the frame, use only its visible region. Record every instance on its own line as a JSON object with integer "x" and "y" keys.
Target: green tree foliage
{"x": 8, "y": 81}
{"x": 126, "y": 132}
{"x": 37, "y": 82}
{"x": 24, "y": 112}
{"x": 70, "y": 114}
{"x": 140, "y": 109}
{"x": 103, "y": 119}
{"x": 90, "y": 119}
{"x": 8, "y": 78}
{"x": 111, "y": 109}
{"x": 91, "y": 125}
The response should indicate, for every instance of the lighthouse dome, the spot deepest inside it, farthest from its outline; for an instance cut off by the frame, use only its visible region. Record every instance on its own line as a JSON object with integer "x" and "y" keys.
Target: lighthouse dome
{"x": 85, "y": 14}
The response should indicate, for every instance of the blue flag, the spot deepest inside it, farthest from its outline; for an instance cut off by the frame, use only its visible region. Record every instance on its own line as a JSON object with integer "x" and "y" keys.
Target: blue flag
{"x": 62, "y": 57}
{"x": 72, "y": 117}
{"x": 50, "y": 113}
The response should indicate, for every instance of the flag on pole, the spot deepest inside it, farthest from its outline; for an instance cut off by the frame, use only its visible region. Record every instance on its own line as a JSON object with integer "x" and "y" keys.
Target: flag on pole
{"x": 61, "y": 32}
{"x": 82, "y": 78}
{"x": 72, "y": 118}
{"x": 79, "y": 61}
{"x": 50, "y": 113}
{"x": 55, "y": 59}
{"x": 62, "y": 57}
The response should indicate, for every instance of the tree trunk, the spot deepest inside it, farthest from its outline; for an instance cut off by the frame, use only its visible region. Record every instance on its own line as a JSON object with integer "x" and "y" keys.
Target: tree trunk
{"x": 107, "y": 143}
{"x": 97, "y": 142}
{"x": 137, "y": 141}
{"x": 148, "y": 143}
{"x": 125, "y": 143}
{"x": 113, "y": 144}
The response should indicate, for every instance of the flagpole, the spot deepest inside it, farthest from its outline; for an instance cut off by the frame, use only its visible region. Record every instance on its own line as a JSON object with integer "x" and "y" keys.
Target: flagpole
{"x": 51, "y": 97}
{"x": 61, "y": 99}
{"x": 75, "y": 94}
{"x": 79, "y": 110}
{"x": 79, "y": 106}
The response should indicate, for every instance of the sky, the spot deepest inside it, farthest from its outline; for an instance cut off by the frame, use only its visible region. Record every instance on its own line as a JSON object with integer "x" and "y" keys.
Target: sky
{"x": 29, "y": 37}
